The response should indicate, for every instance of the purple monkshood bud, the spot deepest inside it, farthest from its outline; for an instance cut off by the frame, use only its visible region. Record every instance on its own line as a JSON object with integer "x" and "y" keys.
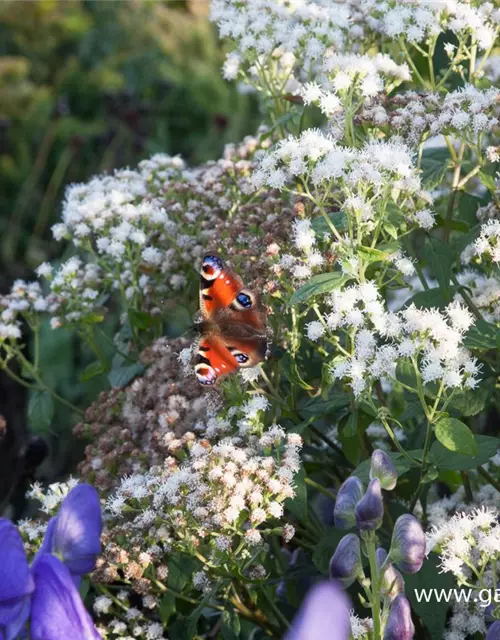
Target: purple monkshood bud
{"x": 348, "y": 496}
{"x": 370, "y": 509}
{"x": 16, "y": 582}
{"x": 74, "y": 534}
{"x": 382, "y": 467}
{"x": 346, "y": 564}
{"x": 392, "y": 583}
{"x": 494, "y": 631}
{"x": 408, "y": 544}
{"x": 57, "y": 610}
{"x": 324, "y": 614}
{"x": 399, "y": 624}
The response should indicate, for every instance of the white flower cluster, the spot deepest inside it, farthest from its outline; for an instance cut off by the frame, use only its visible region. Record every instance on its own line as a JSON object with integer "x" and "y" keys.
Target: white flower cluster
{"x": 484, "y": 291}
{"x": 53, "y": 496}
{"x": 24, "y": 300}
{"x": 361, "y": 75}
{"x": 355, "y": 177}
{"x": 277, "y": 42}
{"x": 486, "y": 247}
{"x": 133, "y": 623}
{"x": 466, "y": 112}
{"x": 233, "y": 484}
{"x": 416, "y": 20}
{"x": 382, "y": 339}
{"x": 465, "y": 539}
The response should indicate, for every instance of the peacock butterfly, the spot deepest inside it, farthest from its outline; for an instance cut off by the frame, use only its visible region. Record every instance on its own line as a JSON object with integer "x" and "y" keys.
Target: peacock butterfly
{"x": 233, "y": 326}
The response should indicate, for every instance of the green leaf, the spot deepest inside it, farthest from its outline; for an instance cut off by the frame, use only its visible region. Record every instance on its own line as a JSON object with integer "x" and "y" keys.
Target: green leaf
{"x": 487, "y": 447}
{"x": 325, "y": 549}
{"x": 488, "y": 181}
{"x": 377, "y": 255}
{"x": 337, "y": 218}
{"x": 434, "y": 166}
{"x": 181, "y": 567}
{"x": 123, "y": 371}
{"x": 321, "y": 283}
{"x": 472, "y": 401}
{"x": 482, "y": 335}
{"x": 433, "y": 613}
{"x": 334, "y": 405}
{"x": 440, "y": 258}
{"x": 298, "y": 505}
{"x": 93, "y": 370}
{"x": 167, "y": 607}
{"x": 231, "y": 625}
{"x": 429, "y": 298}
{"x": 40, "y": 410}
{"x": 455, "y": 436}
{"x": 141, "y": 319}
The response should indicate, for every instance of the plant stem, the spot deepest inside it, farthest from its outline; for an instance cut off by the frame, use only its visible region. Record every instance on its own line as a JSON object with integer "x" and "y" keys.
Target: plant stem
{"x": 487, "y": 476}
{"x": 320, "y": 488}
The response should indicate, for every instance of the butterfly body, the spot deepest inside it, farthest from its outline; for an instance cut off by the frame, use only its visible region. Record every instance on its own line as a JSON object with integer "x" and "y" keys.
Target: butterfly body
{"x": 233, "y": 326}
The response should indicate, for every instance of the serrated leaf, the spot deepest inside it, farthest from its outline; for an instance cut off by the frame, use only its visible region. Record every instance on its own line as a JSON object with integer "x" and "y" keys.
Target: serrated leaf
{"x": 455, "y": 436}
{"x": 440, "y": 258}
{"x": 434, "y": 166}
{"x": 321, "y": 283}
{"x": 298, "y": 504}
{"x": 40, "y": 410}
{"x": 337, "y": 218}
{"x": 378, "y": 255}
{"x": 167, "y": 607}
{"x": 325, "y": 549}
{"x": 123, "y": 371}
{"x": 334, "y": 405}
{"x": 482, "y": 335}
{"x": 488, "y": 181}
{"x": 428, "y": 299}
{"x": 472, "y": 401}
{"x": 93, "y": 370}
{"x": 487, "y": 447}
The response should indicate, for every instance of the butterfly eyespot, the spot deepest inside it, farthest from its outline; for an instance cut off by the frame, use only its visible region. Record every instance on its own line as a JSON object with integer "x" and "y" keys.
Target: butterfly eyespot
{"x": 244, "y": 300}
{"x": 211, "y": 267}
{"x": 241, "y": 358}
{"x": 205, "y": 374}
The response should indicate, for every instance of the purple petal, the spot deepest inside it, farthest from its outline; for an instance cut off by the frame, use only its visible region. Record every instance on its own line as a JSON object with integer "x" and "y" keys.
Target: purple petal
{"x": 46, "y": 546}
{"x": 16, "y": 582}
{"x": 57, "y": 610}
{"x": 324, "y": 615}
{"x": 20, "y": 612}
{"x": 494, "y": 631}
{"x": 399, "y": 624}
{"x": 370, "y": 509}
{"x": 77, "y": 531}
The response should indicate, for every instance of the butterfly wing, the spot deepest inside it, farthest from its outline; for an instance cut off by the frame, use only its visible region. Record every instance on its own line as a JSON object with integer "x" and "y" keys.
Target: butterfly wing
{"x": 234, "y": 323}
{"x": 219, "y": 355}
{"x": 224, "y": 299}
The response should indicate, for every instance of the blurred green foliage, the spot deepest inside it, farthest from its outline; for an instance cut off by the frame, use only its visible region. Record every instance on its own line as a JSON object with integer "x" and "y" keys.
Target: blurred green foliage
{"x": 90, "y": 86}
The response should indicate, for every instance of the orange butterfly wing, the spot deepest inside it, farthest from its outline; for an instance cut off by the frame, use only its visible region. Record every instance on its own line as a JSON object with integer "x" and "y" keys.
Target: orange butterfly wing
{"x": 235, "y": 324}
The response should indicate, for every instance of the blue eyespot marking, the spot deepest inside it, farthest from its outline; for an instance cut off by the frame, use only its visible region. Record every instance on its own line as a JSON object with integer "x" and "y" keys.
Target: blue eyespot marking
{"x": 212, "y": 261}
{"x": 241, "y": 358}
{"x": 244, "y": 299}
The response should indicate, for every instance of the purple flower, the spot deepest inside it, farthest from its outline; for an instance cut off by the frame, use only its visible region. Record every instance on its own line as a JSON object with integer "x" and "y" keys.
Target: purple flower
{"x": 494, "y": 631}
{"x": 382, "y": 467}
{"x": 57, "y": 610}
{"x": 16, "y": 582}
{"x": 392, "y": 582}
{"x": 399, "y": 624}
{"x": 348, "y": 496}
{"x": 75, "y": 534}
{"x": 346, "y": 564}
{"x": 47, "y": 591}
{"x": 324, "y": 614}
{"x": 408, "y": 544}
{"x": 370, "y": 509}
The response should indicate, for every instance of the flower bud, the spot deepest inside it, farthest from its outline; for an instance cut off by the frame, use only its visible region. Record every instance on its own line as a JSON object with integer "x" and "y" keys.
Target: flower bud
{"x": 370, "y": 509}
{"x": 399, "y": 624}
{"x": 392, "y": 582}
{"x": 382, "y": 467}
{"x": 408, "y": 544}
{"x": 494, "y": 631}
{"x": 345, "y": 564}
{"x": 348, "y": 496}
